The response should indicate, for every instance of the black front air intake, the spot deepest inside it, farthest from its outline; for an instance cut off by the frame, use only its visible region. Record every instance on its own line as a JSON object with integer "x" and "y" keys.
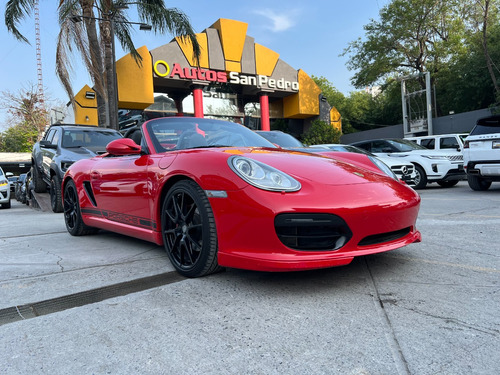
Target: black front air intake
{"x": 312, "y": 232}
{"x": 384, "y": 237}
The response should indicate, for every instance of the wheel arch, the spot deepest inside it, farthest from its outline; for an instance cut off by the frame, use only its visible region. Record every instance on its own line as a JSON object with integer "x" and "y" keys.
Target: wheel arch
{"x": 164, "y": 190}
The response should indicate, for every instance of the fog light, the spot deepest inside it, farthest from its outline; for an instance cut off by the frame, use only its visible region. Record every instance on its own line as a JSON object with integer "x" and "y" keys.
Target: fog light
{"x": 434, "y": 168}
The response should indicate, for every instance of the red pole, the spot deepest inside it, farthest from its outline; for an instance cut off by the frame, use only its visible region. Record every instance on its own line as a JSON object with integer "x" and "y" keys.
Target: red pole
{"x": 198, "y": 102}
{"x": 264, "y": 112}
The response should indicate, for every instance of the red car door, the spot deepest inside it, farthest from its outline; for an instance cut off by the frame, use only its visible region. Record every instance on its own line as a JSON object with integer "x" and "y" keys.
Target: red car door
{"x": 121, "y": 187}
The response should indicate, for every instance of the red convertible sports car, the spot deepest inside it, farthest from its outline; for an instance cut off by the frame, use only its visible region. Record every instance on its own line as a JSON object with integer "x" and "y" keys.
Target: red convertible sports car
{"x": 215, "y": 194}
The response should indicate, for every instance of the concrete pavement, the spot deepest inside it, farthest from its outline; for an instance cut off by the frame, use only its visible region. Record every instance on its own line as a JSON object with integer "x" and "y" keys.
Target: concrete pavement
{"x": 429, "y": 308}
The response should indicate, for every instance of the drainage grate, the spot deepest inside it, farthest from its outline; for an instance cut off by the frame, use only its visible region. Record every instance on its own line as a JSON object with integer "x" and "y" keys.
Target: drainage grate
{"x": 50, "y": 306}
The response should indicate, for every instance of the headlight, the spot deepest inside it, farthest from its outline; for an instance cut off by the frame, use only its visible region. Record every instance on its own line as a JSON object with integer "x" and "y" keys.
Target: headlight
{"x": 383, "y": 167}
{"x": 65, "y": 164}
{"x": 262, "y": 175}
{"x": 4, "y": 183}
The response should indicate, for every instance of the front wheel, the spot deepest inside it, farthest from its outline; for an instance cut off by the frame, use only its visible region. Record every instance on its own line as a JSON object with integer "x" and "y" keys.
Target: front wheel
{"x": 477, "y": 183}
{"x": 189, "y": 232}
{"x": 40, "y": 186}
{"x": 55, "y": 194}
{"x": 72, "y": 212}
{"x": 420, "y": 178}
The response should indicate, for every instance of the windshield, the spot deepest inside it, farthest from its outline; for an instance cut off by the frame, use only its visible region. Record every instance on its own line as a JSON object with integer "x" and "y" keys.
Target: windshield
{"x": 173, "y": 133}
{"x": 281, "y": 139}
{"x": 486, "y": 126}
{"x": 89, "y": 138}
{"x": 404, "y": 146}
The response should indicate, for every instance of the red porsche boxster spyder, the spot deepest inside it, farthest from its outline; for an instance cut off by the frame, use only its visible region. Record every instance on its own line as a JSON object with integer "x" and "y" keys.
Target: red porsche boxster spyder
{"x": 215, "y": 194}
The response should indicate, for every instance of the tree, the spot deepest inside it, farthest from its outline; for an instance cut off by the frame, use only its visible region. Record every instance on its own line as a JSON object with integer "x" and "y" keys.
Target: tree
{"x": 320, "y": 133}
{"x": 28, "y": 119}
{"x": 412, "y": 36}
{"x": 93, "y": 39}
{"x": 483, "y": 15}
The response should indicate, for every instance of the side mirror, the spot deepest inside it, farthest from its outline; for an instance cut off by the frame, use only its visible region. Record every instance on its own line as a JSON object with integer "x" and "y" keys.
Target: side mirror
{"x": 47, "y": 144}
{"x": 123, "y": 146}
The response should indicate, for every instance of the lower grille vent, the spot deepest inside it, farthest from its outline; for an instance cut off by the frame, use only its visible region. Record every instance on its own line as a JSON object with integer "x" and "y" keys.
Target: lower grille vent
{"x": 384, "y": 237}
{"x": 312, "y": 232}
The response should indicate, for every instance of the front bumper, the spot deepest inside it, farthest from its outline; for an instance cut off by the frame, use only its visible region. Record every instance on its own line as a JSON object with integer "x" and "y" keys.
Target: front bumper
{"x": 249, "y": 239}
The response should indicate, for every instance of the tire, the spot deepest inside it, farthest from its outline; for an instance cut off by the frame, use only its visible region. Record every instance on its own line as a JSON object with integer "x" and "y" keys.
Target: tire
{"x": 447, "y": 184}
{"x": 55, "y": 194}
{"x": 40, "y": 186}
{"x": 72, "y": 213}
{"x": 188, "y": 230}
{"x": 421, "y": 178}
{"x": 477, "y": 183}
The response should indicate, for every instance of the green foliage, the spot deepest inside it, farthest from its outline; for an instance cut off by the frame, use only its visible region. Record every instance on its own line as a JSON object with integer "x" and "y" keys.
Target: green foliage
{"x": 18, "y": 138}
{"x": 28, "y": 119}
{"x": 321, "y": 132}
{"x": 279, "y": 124}
{"x": 412, "y": 36}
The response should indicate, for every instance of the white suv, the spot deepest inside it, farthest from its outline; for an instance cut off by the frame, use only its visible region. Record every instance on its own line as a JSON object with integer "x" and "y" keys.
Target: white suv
{"x": 453, "y": 143}
{"x": 431, "y": 166}
{"x": 482, "y": 153}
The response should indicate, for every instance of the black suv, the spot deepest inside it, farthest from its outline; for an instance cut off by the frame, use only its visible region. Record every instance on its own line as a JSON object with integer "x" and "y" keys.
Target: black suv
{"x": 61, "y": 146}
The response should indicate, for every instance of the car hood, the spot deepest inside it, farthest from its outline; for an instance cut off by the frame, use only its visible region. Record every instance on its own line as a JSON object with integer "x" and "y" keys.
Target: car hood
{"x": 77, "y": 153}
{"x": 315, "y": 168}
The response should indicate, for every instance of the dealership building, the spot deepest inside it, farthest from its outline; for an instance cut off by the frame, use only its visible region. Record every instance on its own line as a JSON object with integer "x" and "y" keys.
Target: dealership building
{"x": 235, "y": 79}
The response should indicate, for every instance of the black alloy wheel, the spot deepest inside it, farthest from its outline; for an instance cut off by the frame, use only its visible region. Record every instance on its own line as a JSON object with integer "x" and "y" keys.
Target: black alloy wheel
{"x": 189, "y": 232}
{"x": 72, "y": 213}
{"x": 55, "y": 194}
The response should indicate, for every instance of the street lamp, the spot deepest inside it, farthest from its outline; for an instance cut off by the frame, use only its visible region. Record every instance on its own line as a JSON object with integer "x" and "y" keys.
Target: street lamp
{"x": 112, "y": 87}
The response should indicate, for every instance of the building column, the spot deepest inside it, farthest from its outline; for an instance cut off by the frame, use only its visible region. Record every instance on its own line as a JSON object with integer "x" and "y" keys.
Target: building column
{"x": 198, "y": 100}
{"x": 178, "y": 105}
{"x": 264, "y": 112}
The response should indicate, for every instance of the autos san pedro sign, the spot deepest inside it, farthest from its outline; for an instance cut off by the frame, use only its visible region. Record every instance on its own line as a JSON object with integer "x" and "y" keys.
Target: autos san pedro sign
{"x": 163, "y": 69}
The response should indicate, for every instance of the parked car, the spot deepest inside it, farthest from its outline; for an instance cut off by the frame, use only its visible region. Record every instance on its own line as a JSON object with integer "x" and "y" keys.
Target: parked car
{"x": 4, "y": 190}
{"x": 453, "y": 143}
{"x": 289, "y": 142}
{"x": 482, "y": 153}
{"x": 215, "y": 194}
{"x": 12, "y": 181}
{"x": 20, "y": 188}
{"x": 62, "y": 145}
{"x": 280, "y": 138}
{"x": 431, "y": 166}
{"x": 404, "y": 170}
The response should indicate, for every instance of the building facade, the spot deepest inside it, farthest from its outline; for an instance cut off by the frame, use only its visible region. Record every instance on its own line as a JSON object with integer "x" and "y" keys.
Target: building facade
{"x": 235, "y": 78}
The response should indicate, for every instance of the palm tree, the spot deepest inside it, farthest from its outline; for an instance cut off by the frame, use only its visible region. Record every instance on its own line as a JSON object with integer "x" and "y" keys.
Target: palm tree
{"x": 102, "y": 20}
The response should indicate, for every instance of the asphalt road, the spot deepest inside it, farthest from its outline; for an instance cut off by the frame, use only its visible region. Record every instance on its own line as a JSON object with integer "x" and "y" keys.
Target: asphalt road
{"x": 108, "y": 304}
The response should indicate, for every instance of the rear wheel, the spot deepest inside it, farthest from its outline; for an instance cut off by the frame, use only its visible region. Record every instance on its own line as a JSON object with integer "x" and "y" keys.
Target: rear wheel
{"x": 420, "y": 178}
{"x": 477, "y": 183}
{"x": 447, "y": 184}
{"x": 55, "y": 194}
{"x": 189, "y": 233}
{"x": 38, "y": 182}
{"x": 72, "y": 212}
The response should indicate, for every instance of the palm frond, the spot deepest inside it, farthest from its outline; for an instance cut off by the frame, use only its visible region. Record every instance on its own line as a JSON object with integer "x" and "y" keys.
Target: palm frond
{"x": 15, "y": 12}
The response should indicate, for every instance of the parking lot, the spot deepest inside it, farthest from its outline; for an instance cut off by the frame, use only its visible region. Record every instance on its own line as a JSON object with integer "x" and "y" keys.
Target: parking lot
{"x": 109, "y": 304}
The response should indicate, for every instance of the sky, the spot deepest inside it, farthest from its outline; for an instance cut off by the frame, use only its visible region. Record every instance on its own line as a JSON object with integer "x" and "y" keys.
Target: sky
{"x": 307, "y": 35}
